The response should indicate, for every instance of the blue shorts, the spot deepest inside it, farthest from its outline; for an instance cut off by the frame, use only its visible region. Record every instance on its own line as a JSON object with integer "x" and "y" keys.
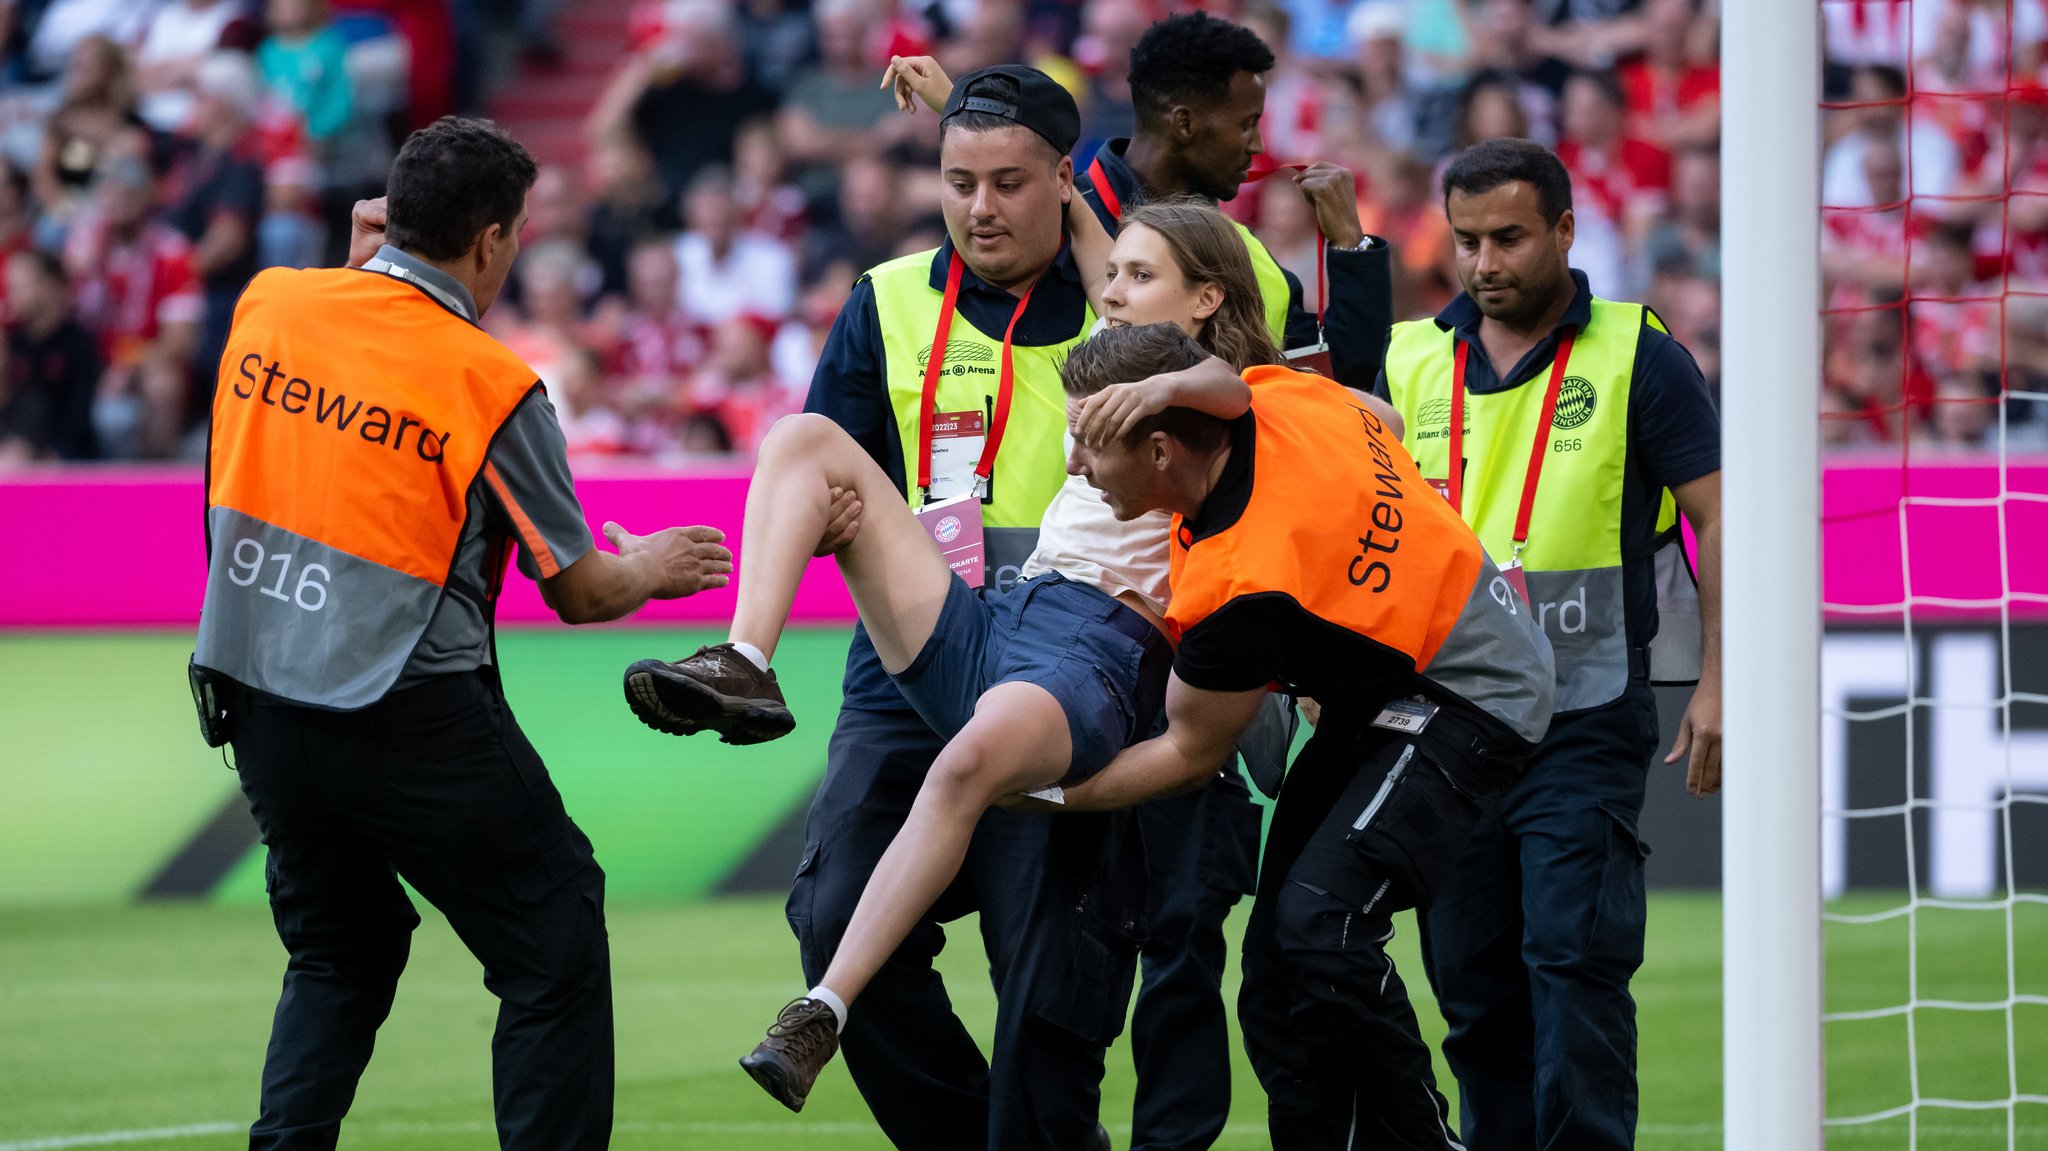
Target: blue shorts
{"x": 1103, "y": 662}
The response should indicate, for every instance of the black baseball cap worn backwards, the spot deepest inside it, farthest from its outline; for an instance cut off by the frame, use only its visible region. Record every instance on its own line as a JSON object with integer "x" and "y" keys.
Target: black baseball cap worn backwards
{"x": 1031, "y": 98}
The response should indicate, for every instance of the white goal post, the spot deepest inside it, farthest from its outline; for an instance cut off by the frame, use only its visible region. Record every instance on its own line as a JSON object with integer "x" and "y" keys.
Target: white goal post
{"x": 1771, "y": 621}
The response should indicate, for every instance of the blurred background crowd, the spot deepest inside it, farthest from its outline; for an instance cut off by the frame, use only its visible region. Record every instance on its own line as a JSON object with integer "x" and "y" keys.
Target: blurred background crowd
{"x": 716, "y": 173}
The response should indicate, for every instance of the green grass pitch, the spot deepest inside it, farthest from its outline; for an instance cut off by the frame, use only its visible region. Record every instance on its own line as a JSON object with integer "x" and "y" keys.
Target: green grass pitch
{"x": 118, "y": 1019}
{"x": 124, "y": 1020}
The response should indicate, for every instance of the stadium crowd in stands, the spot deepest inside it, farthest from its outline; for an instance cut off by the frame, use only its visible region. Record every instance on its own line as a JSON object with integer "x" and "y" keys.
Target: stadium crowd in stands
{"x": 741, "y": 166}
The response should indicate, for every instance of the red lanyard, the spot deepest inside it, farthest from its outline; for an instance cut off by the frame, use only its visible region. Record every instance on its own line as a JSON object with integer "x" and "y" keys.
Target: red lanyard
{"x": 1536, "y": 453}
{"x": 934, "y": 367}
{"x": 1108, "y": 196}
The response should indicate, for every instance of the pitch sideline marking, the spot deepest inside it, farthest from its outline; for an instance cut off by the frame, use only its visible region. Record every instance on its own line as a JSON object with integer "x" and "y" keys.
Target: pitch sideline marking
{"x": 798, "y": 1127}
{"x": 103, "y": 1138}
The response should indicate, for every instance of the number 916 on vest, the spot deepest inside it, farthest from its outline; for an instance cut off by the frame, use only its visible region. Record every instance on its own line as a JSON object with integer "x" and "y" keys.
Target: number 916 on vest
{"x": 249, "y": 566}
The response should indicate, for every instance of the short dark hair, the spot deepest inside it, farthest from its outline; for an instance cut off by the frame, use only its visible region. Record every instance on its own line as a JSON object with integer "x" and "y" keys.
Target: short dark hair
{"x": 1189, "y": 59}
{"x": 1127, "y": 355}
{"x": 453, "y": 179}
{"x": 997, "y": 88}
{"x": 1506, "y": 160}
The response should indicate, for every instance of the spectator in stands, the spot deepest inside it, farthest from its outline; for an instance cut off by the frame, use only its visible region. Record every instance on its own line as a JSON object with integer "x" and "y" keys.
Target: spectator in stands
{"x": 95, "y": 112}
{"x": 658, "y": 347}
{"x": 589, "y": 425}
{"x": 1109, "y": 30}
{"x": 769, "y": 202}
{"x": 139, "y": 289}
{"x": 1287, "y": 226}
{"x": 1316, "y": 28}
{"x": 548, "y": 326}
{"x": 775, "y": 38}
{"x": 1391, "y": 111}
{"x": 556, "y": 216}
{"x": 66, "y": 24}
{"x": 1501, "y": 43}
{"x": 832, "y": 111}
{"x": 1865, "y": 247}
{"x": 738, "y": 386}
{"x": 1621, "y": 185}
{"x": 1674, "y": 87}
{"x": 181, "y": 36}
{"x": 1879, "y": 93}
{"x": 686, "y": 95}
{"x": 1588, "y": 33}
{"x": 991, "y": 34}
{"x": 1875, "y": 387}
{"x": 1406, "y": 209}
{"x": 801, "y": 340}
{"x": 219, "y": 199}
{"x": 1954, "y": 318}
{"x": 303, "y": 62}
{"x": 1489, "y": 108}
{"x": 627, "y": 205}
{"x": 1691, "y": 233}
{"x": 871, "y": 213}
{"x": 1691, "y": 307}
{"x": 52, "y": 366}
{"x": 726, "y": 270}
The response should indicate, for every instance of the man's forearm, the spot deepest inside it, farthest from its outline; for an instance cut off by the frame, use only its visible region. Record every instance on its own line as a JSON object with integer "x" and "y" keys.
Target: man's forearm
{"x": 600, "y": 586}
{"x": 1142, "y": 772}
{"x": 1709, "y": 536}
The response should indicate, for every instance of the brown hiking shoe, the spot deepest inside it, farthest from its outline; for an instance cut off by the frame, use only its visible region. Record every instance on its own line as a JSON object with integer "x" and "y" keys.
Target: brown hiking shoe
{"x": 798, "y": 1046}
{"x": 717, "y": 689}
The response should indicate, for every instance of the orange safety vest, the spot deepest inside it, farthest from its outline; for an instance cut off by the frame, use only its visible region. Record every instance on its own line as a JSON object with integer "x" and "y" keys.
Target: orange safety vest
{"x": 351, "y": 420}
{"x": 1341, "y": 522}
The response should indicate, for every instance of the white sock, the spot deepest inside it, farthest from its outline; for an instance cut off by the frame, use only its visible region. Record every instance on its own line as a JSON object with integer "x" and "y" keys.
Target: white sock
{"x": 752, "y": 653}
{"x": 824, "y": 995}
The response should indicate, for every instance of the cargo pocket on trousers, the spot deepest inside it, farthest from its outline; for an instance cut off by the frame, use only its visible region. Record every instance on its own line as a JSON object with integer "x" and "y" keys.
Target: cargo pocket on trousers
{"x": 1232, "y": 824}
{"x": 1093, "y": 995}
{"x": 539, "y": 876}
{"x": 1414, "y": 828}
{"x": 1619, "y": 911}
{"x": 803, "y": 888}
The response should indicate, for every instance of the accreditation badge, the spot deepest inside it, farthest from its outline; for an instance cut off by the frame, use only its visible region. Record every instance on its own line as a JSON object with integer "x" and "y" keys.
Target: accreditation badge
{"x": 1511, "y": 571}
{"x": 954, "y": 526}
{"x": 957, "y": 442}
{"x": 1315, "y": 357}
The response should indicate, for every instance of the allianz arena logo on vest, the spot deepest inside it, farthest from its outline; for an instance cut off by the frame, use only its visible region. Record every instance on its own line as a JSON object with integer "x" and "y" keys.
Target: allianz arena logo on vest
{"x": 963, "y": 358}
{"x": 1433, "y": 420}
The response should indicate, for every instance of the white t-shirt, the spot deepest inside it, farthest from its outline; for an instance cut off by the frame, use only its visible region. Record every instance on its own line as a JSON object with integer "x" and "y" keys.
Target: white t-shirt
{"x": 758, "y": 275}
{"x": 1080, "y": 538}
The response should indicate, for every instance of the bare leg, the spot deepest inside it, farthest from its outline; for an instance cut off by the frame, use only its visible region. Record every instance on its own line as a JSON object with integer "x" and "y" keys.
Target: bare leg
{"x": 1017, "y": 740}
{"x": 897, "y": 577}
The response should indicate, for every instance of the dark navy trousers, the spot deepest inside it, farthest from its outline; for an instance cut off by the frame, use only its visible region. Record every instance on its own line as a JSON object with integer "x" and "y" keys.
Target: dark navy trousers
{"x": 1201, "y": 854}
{"x": 1062, "y": 910}
{"x": 1532, "y": 943}
{"x": 434, "y": 783}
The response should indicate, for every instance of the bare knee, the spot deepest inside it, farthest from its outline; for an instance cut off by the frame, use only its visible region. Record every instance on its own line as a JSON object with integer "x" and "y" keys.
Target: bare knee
{"x": 967, "y": 774}
{"x": 807, "y": 435}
